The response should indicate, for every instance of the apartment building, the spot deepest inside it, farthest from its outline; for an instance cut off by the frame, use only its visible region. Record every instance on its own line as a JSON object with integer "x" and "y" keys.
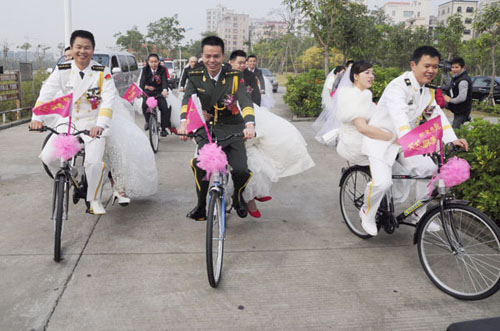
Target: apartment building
{"x": 467, "y": 10}
{"x": 234, "y": 30}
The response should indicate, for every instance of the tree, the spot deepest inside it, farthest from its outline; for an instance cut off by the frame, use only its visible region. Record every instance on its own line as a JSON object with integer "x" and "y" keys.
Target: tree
{"x": 25, "y": 47}
{"x": 61, "y": 47}
{"x": 132, "y": 40}
{"x": 488, "y": 21}
{"x": 449, "y": 35}
{"x": 323, "y": 16}
{"x": 165, "y": 33}
{"x": 5, "y": 52}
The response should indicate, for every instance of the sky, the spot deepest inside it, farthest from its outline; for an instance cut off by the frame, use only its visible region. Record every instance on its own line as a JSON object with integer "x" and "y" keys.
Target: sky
{"x": 41, "y": 22}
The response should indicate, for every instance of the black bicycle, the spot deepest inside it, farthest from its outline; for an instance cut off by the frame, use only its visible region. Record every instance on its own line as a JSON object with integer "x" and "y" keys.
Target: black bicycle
{"x": 65, "y": 178}
{"x": 216, "y": 217}
{"x": 154, "y": 133}
{"x": 458, "y": 245}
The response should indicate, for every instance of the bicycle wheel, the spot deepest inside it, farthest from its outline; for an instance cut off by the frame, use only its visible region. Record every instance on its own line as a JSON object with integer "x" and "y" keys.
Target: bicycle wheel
{"x": 59, "y": 207}
{"x": 472, "y": 272}
{"x": 352, "y": 188}
{"x": 214, "y": 238}
{"x": 154, "y": 137}
{"x": 47, "y": 169}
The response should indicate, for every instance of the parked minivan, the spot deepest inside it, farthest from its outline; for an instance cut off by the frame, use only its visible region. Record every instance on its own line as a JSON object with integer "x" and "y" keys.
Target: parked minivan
{"x": 123, "y": 66}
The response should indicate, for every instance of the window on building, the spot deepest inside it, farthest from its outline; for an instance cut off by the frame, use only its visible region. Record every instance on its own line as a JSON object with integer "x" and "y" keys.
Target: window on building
{"x": 407, "y": 13}
{"x": 418, "y": 14}
{"x": 448, "y": 9}
{"x": 468, "y": 20}
{"x": 235, "y": 25}
{"x": 459, "y": 9}
{"x": 470, "y": 9}
{"x": 235, "y": 43}
{"x": 393, "y": 13}
{"x": 466, "y": 31}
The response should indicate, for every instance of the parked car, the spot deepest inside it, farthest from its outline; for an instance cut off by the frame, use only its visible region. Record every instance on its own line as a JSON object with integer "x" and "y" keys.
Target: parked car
{"x": 123, "y": 66}
{"x": 481, "y": 88}
{"x": 267, "y": 73}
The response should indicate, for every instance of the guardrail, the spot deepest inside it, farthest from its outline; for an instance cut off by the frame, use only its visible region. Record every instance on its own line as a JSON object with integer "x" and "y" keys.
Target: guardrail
{"x": 18, "y": 112}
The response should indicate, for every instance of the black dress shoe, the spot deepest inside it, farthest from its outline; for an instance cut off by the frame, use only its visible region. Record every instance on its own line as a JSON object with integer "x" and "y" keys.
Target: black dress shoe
{"x": 241, "y": 210}
{"x": 198, "y": 213}
{"x": 146, "y": 126}
{"x": 163, "y": 133}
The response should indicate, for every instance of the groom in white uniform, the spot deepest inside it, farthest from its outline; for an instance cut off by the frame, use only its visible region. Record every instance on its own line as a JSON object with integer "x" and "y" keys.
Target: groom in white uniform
{"x": 93, "y": 91}
{"x": 406, "y": 101}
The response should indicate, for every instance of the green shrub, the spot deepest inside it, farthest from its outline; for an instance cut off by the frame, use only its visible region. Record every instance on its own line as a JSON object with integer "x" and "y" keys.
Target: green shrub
{"x": 483, "y": 107}
{"x": 483, "y": 187}
{"x": 383, "y": 76}
{"x": 303, "y": 93}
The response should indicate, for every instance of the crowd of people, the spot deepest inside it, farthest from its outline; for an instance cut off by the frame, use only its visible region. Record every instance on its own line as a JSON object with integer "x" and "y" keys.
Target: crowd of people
{"x": 364, "y": 133}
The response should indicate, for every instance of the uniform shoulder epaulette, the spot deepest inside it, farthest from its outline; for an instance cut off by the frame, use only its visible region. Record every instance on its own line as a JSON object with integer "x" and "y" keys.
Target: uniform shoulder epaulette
{"x": 407, "y": 82}
{"x": 64, "y": 66}
{"x": 97, "y": 68}
{"x": 430, "y": 85}
{"x": 232, "y": 72}
{"x": 195, "y": 73}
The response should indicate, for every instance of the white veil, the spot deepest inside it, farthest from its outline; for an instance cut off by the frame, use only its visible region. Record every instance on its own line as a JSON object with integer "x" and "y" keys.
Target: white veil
{"x": 267, "y": 98}
{"x": 327, "y": 125}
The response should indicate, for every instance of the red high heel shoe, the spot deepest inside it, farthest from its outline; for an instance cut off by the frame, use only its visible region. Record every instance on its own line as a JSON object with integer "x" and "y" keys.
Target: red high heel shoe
{"x": 255, "y": 214}
{"x": 264, "y": 199}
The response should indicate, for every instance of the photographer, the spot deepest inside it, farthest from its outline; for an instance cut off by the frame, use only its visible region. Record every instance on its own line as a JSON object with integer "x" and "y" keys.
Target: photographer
{"x": 459, "y": 97}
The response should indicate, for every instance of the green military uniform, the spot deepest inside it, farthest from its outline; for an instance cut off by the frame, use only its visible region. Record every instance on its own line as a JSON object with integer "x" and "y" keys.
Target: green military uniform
{"x": 223, "y": 123}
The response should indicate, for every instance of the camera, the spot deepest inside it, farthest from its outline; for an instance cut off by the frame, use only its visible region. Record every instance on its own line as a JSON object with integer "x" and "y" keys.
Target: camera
{"x": 445, "y": 66}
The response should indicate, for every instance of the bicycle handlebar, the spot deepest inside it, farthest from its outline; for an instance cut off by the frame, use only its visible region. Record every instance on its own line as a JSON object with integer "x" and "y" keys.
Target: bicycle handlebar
{"x": 47, "y": 128}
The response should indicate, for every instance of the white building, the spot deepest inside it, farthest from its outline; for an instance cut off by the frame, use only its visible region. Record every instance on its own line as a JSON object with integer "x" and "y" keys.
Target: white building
{"x": 214, "y": 15}
{"x": 262, "y": 30}
{"x": 398, "y": 11}
{"x": 467, "y": 10}
{"x": 234, "y": 30}
{"x": 411, "y": 13}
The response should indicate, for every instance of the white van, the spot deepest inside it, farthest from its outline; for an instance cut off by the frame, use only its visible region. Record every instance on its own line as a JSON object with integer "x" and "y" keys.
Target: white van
{"x": 123, "y": 66}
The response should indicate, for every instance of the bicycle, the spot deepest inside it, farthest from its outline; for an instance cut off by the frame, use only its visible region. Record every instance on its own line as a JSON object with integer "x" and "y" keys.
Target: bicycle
{"x": 154, "y": 133}
{"x": 216, "y": 218}
{"x": 461, "y": 258}
{"x": 64, "y": 179}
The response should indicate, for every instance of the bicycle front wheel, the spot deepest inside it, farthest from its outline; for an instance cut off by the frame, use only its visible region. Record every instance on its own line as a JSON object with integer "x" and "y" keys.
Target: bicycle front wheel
{"x": 467, "y": 266}
{"x": 58, "y": 213}
{"x": 154, "y": 137}
{"x": 352, "y": 189}
{"x": 214, "y": 238}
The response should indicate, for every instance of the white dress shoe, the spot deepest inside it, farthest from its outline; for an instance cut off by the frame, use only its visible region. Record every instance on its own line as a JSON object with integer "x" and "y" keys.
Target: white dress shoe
{"x": 123, "y": 200}
{"x": 370, "y": 226}
{"x": 97, "y": 208}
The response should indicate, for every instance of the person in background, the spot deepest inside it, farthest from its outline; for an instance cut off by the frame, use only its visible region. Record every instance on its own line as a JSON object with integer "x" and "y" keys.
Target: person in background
{"x": 252, "y": 67}
{"x": 67, "y": 54}
{"x": 460, "y": 96}
{"x": 193, "y": 61}
{"x": 154, "y": 82}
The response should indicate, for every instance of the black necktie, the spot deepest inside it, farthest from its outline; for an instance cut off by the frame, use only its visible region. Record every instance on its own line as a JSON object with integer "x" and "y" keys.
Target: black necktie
{"x": 82, "y": 74}
{"x": 420, "y": 90}
{"x": 214, "y": 81}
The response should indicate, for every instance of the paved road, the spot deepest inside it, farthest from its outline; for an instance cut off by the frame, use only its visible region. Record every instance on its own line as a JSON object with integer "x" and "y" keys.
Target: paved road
{"x": 142, "y": 267}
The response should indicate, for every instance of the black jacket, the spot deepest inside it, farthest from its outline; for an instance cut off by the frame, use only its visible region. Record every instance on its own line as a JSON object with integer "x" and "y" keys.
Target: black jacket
{"x": 251, "y": 82}
{"x": 463, "y": 107}
{"x": 258, "y": 73}
{"x": 159, "y": 82}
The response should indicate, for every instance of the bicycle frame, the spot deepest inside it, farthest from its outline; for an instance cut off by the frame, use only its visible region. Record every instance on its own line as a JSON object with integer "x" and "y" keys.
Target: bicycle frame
{"x": 219, "y": 181}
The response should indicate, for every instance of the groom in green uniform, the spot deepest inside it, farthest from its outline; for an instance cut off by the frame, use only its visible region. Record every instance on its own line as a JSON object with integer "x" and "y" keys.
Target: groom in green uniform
{"x": 219, "y": 88}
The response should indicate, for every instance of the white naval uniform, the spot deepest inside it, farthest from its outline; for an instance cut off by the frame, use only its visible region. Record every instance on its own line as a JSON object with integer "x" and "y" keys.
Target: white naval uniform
{"x": 399, "y": 110}
{"x": 66, "y": 79}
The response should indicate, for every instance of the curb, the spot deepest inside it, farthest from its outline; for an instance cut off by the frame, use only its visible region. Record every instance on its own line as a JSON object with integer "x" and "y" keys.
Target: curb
{"x": 302, "y": 119}
{"x": 15, "y": 123}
